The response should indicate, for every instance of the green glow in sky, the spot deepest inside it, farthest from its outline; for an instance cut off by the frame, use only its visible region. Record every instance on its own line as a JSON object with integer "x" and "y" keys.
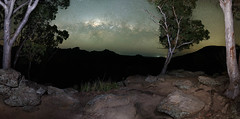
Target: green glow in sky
{"x": 125, "y": 28}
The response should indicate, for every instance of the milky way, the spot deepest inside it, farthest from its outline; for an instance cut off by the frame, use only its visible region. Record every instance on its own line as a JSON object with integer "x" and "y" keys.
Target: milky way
{"x": 124, "y": 27}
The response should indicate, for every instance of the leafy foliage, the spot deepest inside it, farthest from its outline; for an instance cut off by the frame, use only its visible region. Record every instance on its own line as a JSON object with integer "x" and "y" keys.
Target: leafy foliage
{"x": 44, "y": 38}
{"x": 177, "y": 29}
{"x": 45, "y": 11}
{"x": 38, "y": 32}
{"x": 236, "y": 9}
{"x": 190, "y": 30}
{"x": 183, "y": 7}
{"x": 34, "y": 51}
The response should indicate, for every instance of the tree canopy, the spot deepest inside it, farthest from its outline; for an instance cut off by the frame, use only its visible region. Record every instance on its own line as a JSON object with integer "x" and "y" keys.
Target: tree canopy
{"x": 190, "y": 30}
{"x": 36, "y": 29}
{"x": 39, "y": 34}
{"x": 178, "y": 30}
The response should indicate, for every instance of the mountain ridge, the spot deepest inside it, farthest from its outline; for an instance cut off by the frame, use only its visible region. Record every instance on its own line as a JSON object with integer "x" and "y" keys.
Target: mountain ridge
{"x": 76, "y": 66}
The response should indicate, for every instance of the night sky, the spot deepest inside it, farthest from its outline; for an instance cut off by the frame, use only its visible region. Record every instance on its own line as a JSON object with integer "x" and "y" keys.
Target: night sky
{"x": 125, "y": 28}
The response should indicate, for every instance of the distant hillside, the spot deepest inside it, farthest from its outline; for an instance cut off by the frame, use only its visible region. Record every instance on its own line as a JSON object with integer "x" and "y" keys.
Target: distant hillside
{"x": 210, "y": 59}
{"x": 66, "y": 67}
{"x": 73, "y": 66}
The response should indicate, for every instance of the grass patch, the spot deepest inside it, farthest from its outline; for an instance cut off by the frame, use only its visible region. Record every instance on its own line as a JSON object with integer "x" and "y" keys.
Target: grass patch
{"x": 97, "y": 86}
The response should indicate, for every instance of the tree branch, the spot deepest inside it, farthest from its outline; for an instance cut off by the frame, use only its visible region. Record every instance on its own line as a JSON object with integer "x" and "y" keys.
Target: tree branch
{"x": 3, "y": 5}
{"x": 25, "y": 19}
{"x": 32, "y": 6}
{"x": 164, "y": 17}
{"x": 186, "y": 43}
{"x": 178, "y": 25}
{"x": 153, "y": 17}
{"x": 222, "y": 2}
{"x": 10, "y": 12}
{"x": 19, "y": 7}
{"x": 165, "y": 27}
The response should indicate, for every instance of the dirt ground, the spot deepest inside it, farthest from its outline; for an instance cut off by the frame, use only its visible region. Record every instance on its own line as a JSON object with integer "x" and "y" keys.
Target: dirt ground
{"x": 53, "y": 107}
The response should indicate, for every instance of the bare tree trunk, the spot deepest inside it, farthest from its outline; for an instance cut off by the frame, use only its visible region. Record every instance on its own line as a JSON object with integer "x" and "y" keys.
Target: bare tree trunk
{"x": 173, "y": 43}
{"x": 9, "y": 11}
{"x": 6, "y": 55}
{"x": 167, "y": 61}
{"x": 232, "y": 66}
{"x": 239, "y": 60}
{"x": 7, "y": 45}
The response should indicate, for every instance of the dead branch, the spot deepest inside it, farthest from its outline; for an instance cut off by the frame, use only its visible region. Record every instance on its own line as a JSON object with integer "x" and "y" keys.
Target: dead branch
{"x": 19, "y": 7}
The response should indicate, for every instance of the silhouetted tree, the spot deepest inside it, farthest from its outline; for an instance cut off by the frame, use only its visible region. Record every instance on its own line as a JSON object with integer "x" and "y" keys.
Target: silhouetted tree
{"x": 16, "y": 12}
{"x": 38, "y": 34}
{"x": 178, "y": 30}
{"x": 35, "y": 46}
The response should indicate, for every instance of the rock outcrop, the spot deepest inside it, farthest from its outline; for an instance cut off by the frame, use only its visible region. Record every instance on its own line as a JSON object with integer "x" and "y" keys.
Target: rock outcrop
{"x": 209, "y": 81}
{"x": 179, "y": 105}
{"x": 18, "y": 91}
{"x": 10, "y": 78}
{"x": 183, "y": 96}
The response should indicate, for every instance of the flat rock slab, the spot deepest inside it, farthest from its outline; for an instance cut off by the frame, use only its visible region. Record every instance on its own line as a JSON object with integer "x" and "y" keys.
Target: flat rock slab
{"x": 111, "y": 106}
{"x": 208, "y": 81}
{"x": 179, "y": 105}
{"x": 183, "y": 84}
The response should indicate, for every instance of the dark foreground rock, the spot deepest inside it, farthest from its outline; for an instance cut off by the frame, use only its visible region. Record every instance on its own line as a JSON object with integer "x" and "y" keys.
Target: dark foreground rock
{"x": 142, "y": 97}
{"x": 18, "y": 91}
{"x": 179, "y": 105}
{"x": 111, "y": 106}
{"x": 26, "y": 94}
{"x": 132, "y": 105}
{"x": 179, "y": 96}
{"x": 10, "y": 78}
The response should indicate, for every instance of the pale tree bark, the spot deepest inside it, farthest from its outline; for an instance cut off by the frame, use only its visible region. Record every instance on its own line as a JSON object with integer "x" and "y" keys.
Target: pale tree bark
{"x": 9, "y": 11}
{"x": 167, "y": 61}
{"x": 172, "y": 42}
{"x": 232, "y": 66}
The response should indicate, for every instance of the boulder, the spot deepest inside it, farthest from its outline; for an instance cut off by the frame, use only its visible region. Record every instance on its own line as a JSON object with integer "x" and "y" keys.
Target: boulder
{"x": 54, "y": 91}
{"x": 108, "y": 100}
{"x": 27, "y": 94}
{"x": 5, "y": 90}
{"x": 40, "y": 89}
{"x": 151, "y": 79}
{"x": 24, "y": 96}
{"x": 182, "y": 73}
{"x": 179, "y": 105}
{"x": 9, "y": 77}
{"x": 132, "y": 104}
{"x": 183, "y": 84}
{"x": 63, "y": 98}
{"x": 208, "y": 81}
{"x": 57, "y": 91}
{"x": 111, "y": 106}
{"x": 135, "y": 79}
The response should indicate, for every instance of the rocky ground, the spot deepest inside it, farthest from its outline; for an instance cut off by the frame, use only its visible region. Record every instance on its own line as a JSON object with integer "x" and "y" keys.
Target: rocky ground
{"x": 180, "y": 94}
